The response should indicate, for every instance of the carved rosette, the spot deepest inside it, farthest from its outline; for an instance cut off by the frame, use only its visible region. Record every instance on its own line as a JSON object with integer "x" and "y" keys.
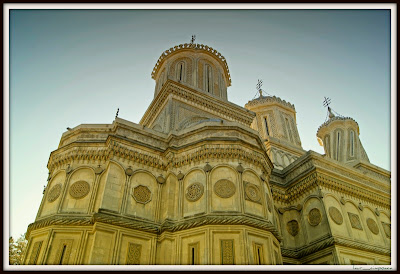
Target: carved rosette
{"x": 355, "y": 221}
{"x": 141, "y": 194}
{"x": 314, "y": 217}
{"x": 335, "y": 215}
{"x": 55, "y": 191}
{"x": 224, "y": 188}
{"x": 252, "y": 192}
{"x": 386, "y": 229}
{"x": 372, "y": 226}
{"x": 269, "y": 203}
{"x": 79, "y": 189}
{"x": 194, "y": 192}
{"x": 293, "y": 227}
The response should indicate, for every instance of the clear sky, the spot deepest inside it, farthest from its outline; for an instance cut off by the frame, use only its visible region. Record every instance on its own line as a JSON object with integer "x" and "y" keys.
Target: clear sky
{"x": 71, "y": 67}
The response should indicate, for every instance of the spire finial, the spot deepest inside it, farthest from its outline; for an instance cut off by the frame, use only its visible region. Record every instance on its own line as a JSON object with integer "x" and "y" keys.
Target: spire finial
{"x": 193, "y": 38}
{"x": 326, "y": 103}
{"x": 116, "y": 115}
{"x": 258, "y": 86}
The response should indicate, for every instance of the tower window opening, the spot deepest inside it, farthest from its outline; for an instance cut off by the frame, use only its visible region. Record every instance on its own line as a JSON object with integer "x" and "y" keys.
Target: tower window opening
{"x": 289, "y": 130}
{"x": 208, "y": 78}
{"x": 351, "y": 143}
{"x": 338, "y": 146}
{"x": 194, "y": 254}
{"x": 266, "y": 125}
{"x": 258, "y": 254}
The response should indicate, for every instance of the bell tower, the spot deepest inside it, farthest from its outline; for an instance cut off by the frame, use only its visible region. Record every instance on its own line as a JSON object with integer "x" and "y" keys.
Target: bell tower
{"x": 339, "y": 136}
{"x": 276, "y": 122}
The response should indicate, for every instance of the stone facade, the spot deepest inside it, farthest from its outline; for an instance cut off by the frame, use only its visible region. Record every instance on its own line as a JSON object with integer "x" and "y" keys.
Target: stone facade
{"x": 201, "y": 180}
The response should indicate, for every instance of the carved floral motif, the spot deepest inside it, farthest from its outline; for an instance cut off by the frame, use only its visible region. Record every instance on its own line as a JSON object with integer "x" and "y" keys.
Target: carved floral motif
{"x": 79, "y": 189}
{"x": 224, "y": 188}
{"x": 194, "y": 192}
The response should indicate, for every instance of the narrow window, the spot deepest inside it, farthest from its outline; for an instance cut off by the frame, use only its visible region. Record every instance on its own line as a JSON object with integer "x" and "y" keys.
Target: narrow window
{"x": 208, "y": 78}
{"x": 289, "y": 130}
{"x": 337, "y": 146}
{"x": 194, "y": 253}
{"x": 266, "y": 125}
{"x": 62, "y": 254}
{"x": 258, "y": 254}
{"x": 327, "y": 148}
{"x": 180, "y": 71}
{"x": 351, "y": 143}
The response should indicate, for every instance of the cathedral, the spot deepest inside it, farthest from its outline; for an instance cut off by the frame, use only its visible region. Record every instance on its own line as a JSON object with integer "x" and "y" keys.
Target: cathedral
{"x": 203, "y": 181}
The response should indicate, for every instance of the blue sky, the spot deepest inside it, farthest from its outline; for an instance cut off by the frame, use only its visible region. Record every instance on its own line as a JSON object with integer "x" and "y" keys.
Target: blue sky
{"x": 71, "y": 67}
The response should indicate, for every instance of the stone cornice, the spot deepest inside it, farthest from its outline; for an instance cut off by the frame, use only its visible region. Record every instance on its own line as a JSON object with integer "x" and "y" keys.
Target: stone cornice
{"x": 141, "y": 224}
{"x": 334, "y": 119}
{"x": 270, "y": 100}
{"x": 325, "y": 242}
{"x": 199, "y": 99}
{"x": 192, "y": 47}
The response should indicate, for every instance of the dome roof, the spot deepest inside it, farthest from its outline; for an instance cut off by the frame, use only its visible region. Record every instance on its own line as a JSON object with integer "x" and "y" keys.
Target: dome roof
{"x": 192, "y": 47}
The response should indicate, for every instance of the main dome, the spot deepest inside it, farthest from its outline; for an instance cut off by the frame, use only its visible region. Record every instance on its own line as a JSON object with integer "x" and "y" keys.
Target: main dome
{"x": 195, "y": 65}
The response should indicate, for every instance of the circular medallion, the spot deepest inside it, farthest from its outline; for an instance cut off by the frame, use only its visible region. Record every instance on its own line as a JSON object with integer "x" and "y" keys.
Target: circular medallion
{"x": 293, "y": 227}
{"x": 372, "y": 226}
{"x": 252, "y": 192}
{"x": 224, "y": 188}
{"x": 142, "y": 194}
{"x": 335, "y": 214}
{"x": 79, "y": 189}
{"x": 386, "y": 229}
{"x": 314, "y": 216}
{"x": 194, "y": 192}
{"x": 269, "y": 204}
{"x": 55, "y": 191}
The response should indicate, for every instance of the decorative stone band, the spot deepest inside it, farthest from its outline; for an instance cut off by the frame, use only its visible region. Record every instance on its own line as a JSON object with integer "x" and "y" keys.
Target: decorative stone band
{"x": 219, "y": 107}
{"x": 326, "y": 242}
{"x": 203, "y": 153}
{"x": 336, "y": 118}
{"x": 315, "y": 180}
{"x": 152, "y": 227}
{"x": 269, "y": 99}
{"x": 186, "y": 46}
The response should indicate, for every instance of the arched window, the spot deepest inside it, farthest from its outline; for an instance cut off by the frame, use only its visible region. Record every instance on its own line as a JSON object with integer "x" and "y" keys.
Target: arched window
{"x": 351, "y": 143}
{"x": 337, "y": 145}
{"x": 180, "y": 71}
{"x": 208, "y": 78}
{"x": 289, "y": 130}
{"x": 266, "y": 125}
{"x": 327, "y": 147}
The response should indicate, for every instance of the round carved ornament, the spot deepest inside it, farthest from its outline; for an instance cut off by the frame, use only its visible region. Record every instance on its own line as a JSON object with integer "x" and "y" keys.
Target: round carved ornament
{"x": 314, "y": 216}
{"x": 372, "y": 226}
{"x": 194, "y": 192}
{"x": 79, "y": 189}
{"x": 269, "y": 204}
{"x": 55, "y": 191}
{"x": 336, "y": 216}
{"x": 293, "y": 227}
{"x": 142, "y": 194}
{"x": 224, "y": 188}
{"x": 252, "y": 192}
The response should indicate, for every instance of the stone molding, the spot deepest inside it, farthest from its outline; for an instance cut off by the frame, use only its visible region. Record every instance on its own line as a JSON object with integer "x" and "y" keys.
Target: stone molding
{"x": 268, "y": 99}
{"x": 328, "y": 241}
{"x": 314, "y": 180}
{"x": 199, "y": 99}
{"x": 157, "y": 228}
{"x": 163, "y": 161}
